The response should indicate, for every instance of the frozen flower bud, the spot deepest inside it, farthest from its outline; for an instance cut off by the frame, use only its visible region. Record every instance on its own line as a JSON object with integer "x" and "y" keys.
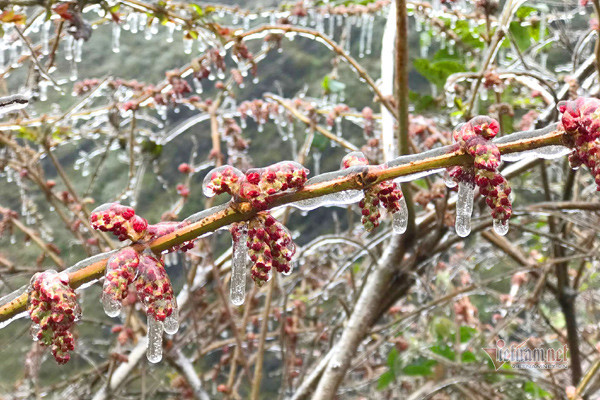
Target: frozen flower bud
{"x": 120, "y": 220}
{"x": 224, "y": 179}
{"x": 121, "y": 271}
{"x": 154, "y": 288}
{"x": 53, "y": 309}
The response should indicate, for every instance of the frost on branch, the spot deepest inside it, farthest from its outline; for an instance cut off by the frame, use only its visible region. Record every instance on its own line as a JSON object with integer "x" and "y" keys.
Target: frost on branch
{"x": 385, "y": 194}
{"x": 474, "y": 137}
{"x": 53, "y": 308}
{"x": 581, "y": 119}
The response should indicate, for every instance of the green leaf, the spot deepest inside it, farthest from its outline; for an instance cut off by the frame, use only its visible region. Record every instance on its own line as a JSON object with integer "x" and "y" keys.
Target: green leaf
{"x": 420, "y": 102}
{"x": 437, "y": 72}
{"x": 331, "y": 85}
{"x": 422, "y": 368}
{"x": 466, "y": 333}
{"x": 521, "y": 35}
{"x": 444, "y": 351}
{"x": 468, "y": 357}
{"x": 385, "y": 379}
{"x": 525, "y": 11}
{"x": 320, "y": 142}
{"x": 198, "y": 9}
{"x": 442, "y": 328}
{"x": 537, "y": 392}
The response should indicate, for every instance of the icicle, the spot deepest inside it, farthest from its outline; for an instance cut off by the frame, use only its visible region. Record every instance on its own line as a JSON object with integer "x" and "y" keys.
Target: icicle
{"x": 171, "y": 324}
{"x": 43, "y": 91}
{"x": 338, "y": 127}
{"x": 170, "y": 32}
{"x": 370, "y": 34}
{"x": 78, "y": 50}
{"x": 73, "y": 76}
{"x": 154, "y": 26}
{"x": 155, "y": 333}
{"x": 331, "y": 30}
{"x": 69, "y": 48}
{"x": 400, "y": 218}
{"x": 197, "y": 85}
{"x": 187, "y": 46}
{"x": 317, "y": 162}
{"x": 363, "y": 36}
{"x": 116, "y": 38}
{"x": 348, "y": 43}
{"x": 464, "y": 208}
{"x": 501, "y": 227}
{"x": 246, "y": 23}
{"x": 237, "y": 291}
{"x": 133, "y": 21}
{"x": 46, "y": 37}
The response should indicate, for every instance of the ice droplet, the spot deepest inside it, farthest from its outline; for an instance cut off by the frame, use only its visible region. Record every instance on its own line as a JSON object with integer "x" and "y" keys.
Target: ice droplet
{"x": 400, "y": 218}
{"x": 155, "y": 333}
{"x": 501, "y": 227}
{"x": 464, "y": 208}
{"x": 112, "y": 307}
{"x": 237, "y": 291}
{"x": 171, "y": 324}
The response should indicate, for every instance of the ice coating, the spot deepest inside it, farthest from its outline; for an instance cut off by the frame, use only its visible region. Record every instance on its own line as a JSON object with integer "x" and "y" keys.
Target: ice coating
{"x": 237, "y": 290}
{"x": 154, "y": 287}
{"x": 464, "y": 208}
{"x": 155, "y": 337}
{"x": 224, "y": 179}
{"x": 121, "y": 270}
{"x": 342, "y": 198}
{"x": 13, "y": 103}
{"x": 400, "y": 218}
{"x": 261, "y": 183}
{"x": 171, "y": 324}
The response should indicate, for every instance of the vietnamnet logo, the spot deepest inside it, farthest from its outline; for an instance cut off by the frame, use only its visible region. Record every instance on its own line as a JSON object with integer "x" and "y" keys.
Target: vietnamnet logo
{"x": 519, "y": 356}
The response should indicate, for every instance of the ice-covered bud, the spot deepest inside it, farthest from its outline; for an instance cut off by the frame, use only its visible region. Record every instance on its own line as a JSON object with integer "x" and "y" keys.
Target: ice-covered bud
{"x": 270, "y": 245}
{"x": 224, "y": 179}
{"x": 53, "y": 308}
{"x": 483, "y": 126}
{"x": 262, "y": 183}
{"x": 353, "y": 159}
{"x": 154, "y": 288}
{"x": 385, "y": 194}
{"x": 496, "y": 190}
{"x": 485, "y": 154}
{"x": 184, "y": 168}
{"x": 121, "y": 271}
{"x": 120, "y": 220}
{"x": 581, "y": 120}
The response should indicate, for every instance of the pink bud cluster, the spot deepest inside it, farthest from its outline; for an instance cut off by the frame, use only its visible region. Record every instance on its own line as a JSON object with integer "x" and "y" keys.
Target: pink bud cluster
{"x": 262, "y": 183}
{"x": 581, "y": 119}
{"x": 258, "y": 185}
{"x": 270, "y": 245}
{"x": 53, "y": 308}
{"x": 474, "y": 138}
{"x": 121, "y": 271}
{"x": 120, "y": 220}
{"x": 385, "y": 194}
{"x": 154, "y": 288}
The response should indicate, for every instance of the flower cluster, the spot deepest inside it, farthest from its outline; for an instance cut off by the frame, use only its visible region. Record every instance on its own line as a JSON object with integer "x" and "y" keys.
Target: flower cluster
{"x": 121, "y": 271}
{"x": 154, "y": 288}
{"x": 581, "y": 119}
{"x": 120, "y": 220}
{"x": 262, "y": 183}
{"x": 53, "y": 308}
{"x": 258, "y": 185}
{"x": 270, "y": 245}
{"x": 386, "y": 194}
{"x": 474, "y": 137}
